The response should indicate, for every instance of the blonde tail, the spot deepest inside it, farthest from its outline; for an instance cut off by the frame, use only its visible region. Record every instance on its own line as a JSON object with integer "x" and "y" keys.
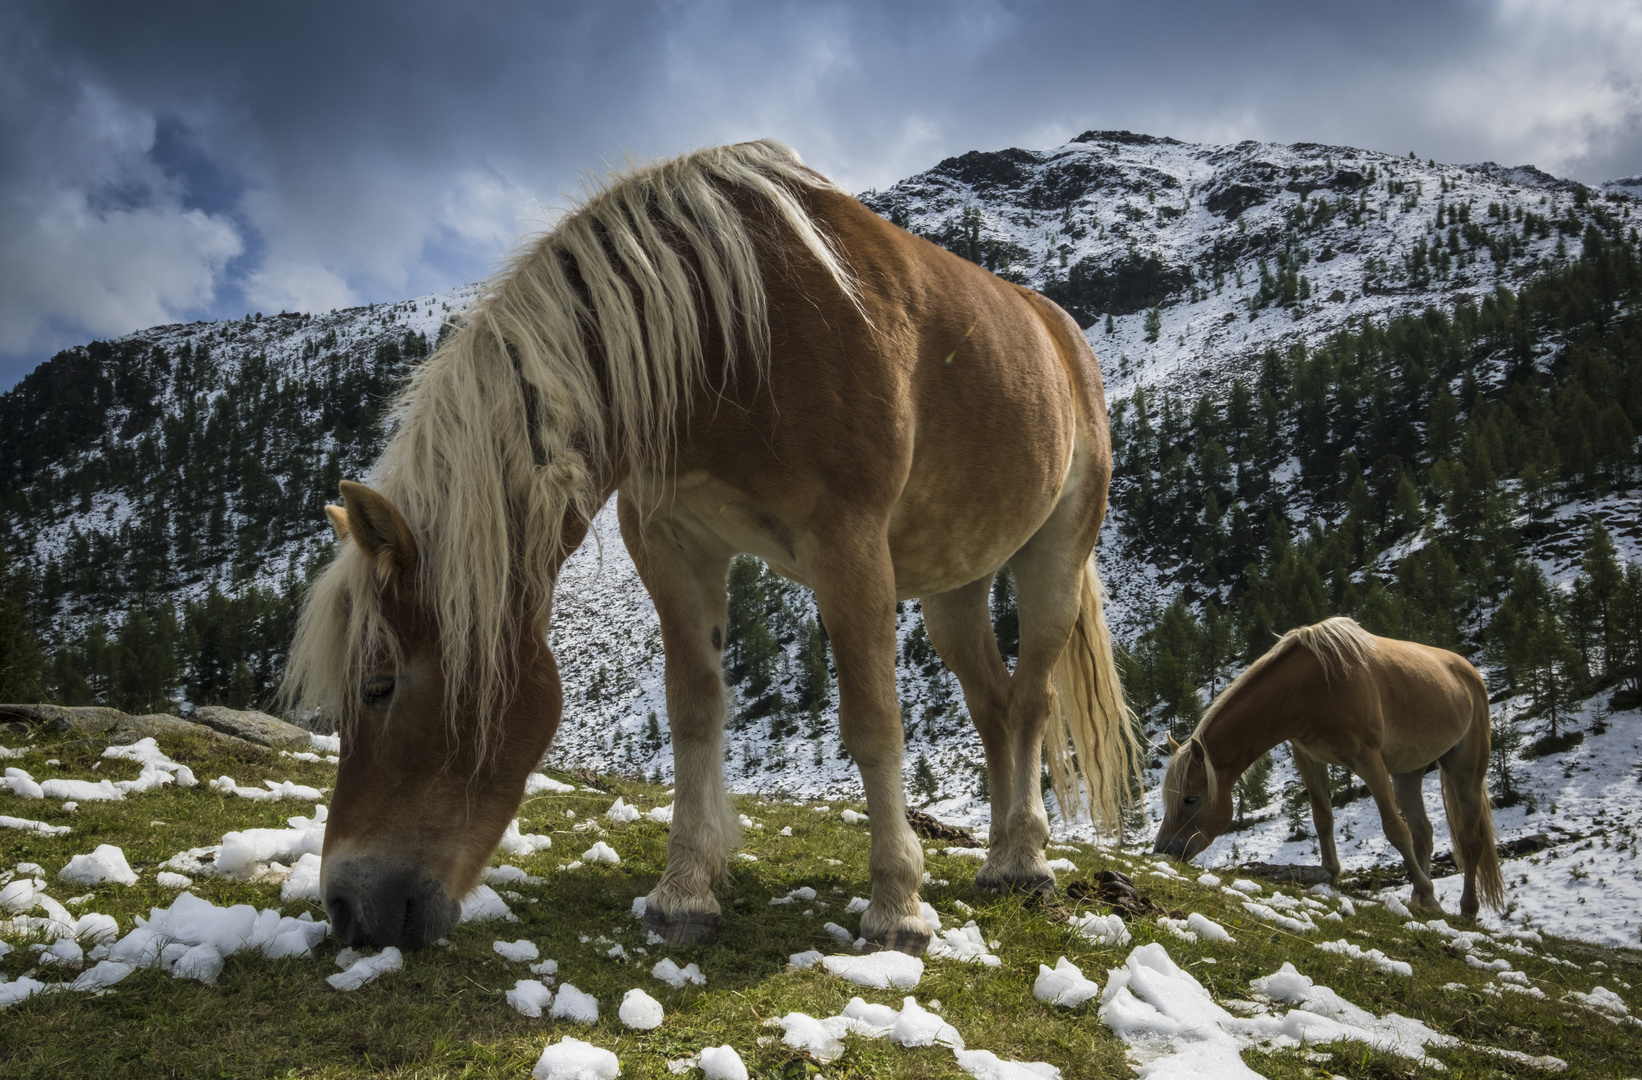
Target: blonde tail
{"x": 1093, "y": 738}
{"x": 1474, "y": 844}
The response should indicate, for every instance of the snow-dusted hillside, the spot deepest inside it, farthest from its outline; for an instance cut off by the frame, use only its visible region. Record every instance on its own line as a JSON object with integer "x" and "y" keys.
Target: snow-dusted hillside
{"x": 1226, "y": 250}
{"x": 1080, "y": 220}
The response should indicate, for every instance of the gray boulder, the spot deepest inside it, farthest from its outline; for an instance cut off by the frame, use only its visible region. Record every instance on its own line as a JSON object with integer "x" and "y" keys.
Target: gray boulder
{"x": 254, "y": 727}
{"x": 80, "y": 720}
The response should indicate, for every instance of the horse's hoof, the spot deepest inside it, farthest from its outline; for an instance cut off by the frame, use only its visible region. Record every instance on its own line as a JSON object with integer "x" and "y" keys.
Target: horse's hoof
{"x": 682, "y": 930}
{"x": 1025, "y": 884}
{"x": 913, "y": 943}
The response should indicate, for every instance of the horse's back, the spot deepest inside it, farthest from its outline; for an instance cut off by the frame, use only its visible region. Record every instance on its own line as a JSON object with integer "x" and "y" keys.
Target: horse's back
{"x": 1430, "y": 700}
{"x": 950, "y": 405}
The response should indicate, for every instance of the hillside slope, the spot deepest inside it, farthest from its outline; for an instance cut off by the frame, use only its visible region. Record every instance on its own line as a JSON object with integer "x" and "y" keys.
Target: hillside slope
{"x": 161, "y": 492}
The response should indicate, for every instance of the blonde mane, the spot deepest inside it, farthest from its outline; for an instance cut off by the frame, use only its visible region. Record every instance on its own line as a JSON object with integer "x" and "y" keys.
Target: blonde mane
{"x": 1337, "y": 643}
{"x": 507, "y": 428}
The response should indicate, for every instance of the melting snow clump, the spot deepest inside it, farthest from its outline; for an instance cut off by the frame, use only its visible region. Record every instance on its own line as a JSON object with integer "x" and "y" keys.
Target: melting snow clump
{"x": 621, "y": 813}
{"x": 675, "y": 976}
{"x": 1368, "y": 956}
{"x": 985, "y": 1065}
{"x": 529, "y": 997}
{"x": 1065, "y": 985}
{"x": 106, "y": 864}
{"x": 573, "y": 1004}
{"x": 722, "y": 1063}
{"x": 572, "y": 1059}
{"x": 640, "y": 1010}
{"x": 515, "y": 842}
{"x": 28, "y": 825}
{"x": 303, "y": 882}
{"x": 519, "y": 952}
{"x": 536, "y": 783}
{"x": 881, "y": 969}
{"x": 483, "y": 904}
{"x": 1101, "y": 929}
{"x": 601, "y": 852}
{"x": 365, "y": 969}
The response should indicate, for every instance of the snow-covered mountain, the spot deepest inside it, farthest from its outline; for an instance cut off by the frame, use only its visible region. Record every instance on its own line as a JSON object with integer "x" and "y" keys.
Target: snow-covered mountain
{"x": 188, "y": 459}
{"x": 1114, "y": 223}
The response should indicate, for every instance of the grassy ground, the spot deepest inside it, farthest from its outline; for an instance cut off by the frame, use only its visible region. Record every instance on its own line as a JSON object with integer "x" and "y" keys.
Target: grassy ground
{"x": 444, "y": 1014}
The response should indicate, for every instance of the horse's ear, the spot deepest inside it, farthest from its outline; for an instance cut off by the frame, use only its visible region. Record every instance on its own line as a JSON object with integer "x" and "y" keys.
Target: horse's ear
{"x": 1174, "y": 746}
{"x": 1196, "y": 746}
{"x": 339, "y": 520}
{"x": 377, "y": 527}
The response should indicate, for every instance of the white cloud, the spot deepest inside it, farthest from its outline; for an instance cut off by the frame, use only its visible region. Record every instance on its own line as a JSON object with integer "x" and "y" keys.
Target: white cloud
{"x": 1556, "y": 81}
{"x": 97, "y": 239}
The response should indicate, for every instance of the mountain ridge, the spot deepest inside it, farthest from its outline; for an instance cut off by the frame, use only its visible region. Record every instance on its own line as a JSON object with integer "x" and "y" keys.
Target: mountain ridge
{"x": 195, "y": 480}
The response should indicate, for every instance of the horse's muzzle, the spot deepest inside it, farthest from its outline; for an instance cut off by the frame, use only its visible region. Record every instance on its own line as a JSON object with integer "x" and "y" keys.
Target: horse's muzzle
{"x": 372, "y": 901}
{"x": 1174, "y": 847}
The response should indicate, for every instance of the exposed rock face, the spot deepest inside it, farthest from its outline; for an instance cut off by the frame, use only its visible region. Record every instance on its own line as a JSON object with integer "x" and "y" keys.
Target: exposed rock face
{"x": 254, "y": 727}
{"x": 118, "y": 727}
{"x": 83, "y": 720}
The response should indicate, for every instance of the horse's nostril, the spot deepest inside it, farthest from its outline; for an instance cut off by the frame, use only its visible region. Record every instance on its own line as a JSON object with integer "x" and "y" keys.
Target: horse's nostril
{"x": 342, "y": 918}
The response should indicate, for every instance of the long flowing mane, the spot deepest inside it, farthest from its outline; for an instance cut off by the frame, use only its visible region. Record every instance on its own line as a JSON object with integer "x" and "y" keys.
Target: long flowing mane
{"x": 1337, "y": 643}
{"x": 577, "y": 359}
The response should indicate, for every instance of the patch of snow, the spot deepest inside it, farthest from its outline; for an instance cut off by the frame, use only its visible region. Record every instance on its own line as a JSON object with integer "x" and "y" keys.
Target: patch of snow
{"x": 673, "y": 975}
{"x": 1373, "y": 957}
{"x": 536, "y": 783}
{"x": 529, "y": 997}
{"x": 722, "y": 1063}
{"x": 575, "y": 1005}
{"x": 483, "y": 904}
{"x": 639, "y": 1010}
{"x": 1064, "y": 985}
{"x": 367, "y": 969}
{"x": 572, "y": 1059}
{"x": 520, "y": 952}
{"x": 514, "y": 842}
{"x": 1100, "y": 929}
{"x": 28, "y": 825}
{"x": 106, "y": 864}
{"x": 880, "y": 969}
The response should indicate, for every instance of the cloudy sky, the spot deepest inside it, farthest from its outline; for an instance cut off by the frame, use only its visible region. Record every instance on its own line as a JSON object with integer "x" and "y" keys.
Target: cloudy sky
{"x": 214, "y": 159}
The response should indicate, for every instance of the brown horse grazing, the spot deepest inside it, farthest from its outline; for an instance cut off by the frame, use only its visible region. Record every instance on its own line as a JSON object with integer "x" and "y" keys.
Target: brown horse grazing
{"x": 755, "y": 363}
{"x": 1383, "y": 708}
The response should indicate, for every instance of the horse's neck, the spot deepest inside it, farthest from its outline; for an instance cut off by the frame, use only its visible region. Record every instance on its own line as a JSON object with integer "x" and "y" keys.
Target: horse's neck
{"x": 1247, "y": 724}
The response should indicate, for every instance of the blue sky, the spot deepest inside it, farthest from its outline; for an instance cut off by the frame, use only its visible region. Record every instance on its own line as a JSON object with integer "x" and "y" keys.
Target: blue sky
{"x": 216, "y": 159}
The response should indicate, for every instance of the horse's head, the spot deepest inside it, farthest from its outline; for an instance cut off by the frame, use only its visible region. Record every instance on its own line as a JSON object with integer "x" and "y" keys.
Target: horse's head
{"x": 1197, "y": 806}
{"x": 429, "y": 777}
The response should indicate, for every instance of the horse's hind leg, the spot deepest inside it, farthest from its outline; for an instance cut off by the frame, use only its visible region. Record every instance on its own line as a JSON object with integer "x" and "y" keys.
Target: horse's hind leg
{"x": 1411, "y": 799}
{"x": 1314, "y": 774}
{"x": 685, "y": 577}
{"x": 854, "y": 583}
{"x": 1373, "y": 771}
{"x": 960, "y": 627}
{"x": 1048, "y": 575}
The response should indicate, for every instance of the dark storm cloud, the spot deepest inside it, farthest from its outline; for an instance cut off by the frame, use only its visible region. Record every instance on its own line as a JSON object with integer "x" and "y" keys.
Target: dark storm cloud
{"x": 216, "y": 159}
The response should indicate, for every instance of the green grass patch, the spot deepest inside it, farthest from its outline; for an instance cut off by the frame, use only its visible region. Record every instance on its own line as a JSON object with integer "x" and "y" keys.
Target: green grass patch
{"x": 444, "y": 1014}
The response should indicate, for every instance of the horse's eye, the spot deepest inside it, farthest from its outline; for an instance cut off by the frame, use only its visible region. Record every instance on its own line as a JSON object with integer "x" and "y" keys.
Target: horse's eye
{"x": 376, "y": 689}
{"x": 1190, "y": 800}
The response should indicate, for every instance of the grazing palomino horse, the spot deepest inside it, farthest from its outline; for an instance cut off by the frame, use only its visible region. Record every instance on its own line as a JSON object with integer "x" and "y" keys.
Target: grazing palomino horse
{"x": 1383, "y": 708}
{"x": 753, "y": 362}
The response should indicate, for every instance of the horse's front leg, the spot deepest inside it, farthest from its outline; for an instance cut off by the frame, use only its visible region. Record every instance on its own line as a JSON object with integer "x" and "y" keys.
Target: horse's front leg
{"x": 685, "y": 576}
{"x": 1315, "y": 775}
{"x": 855, "y": 590}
